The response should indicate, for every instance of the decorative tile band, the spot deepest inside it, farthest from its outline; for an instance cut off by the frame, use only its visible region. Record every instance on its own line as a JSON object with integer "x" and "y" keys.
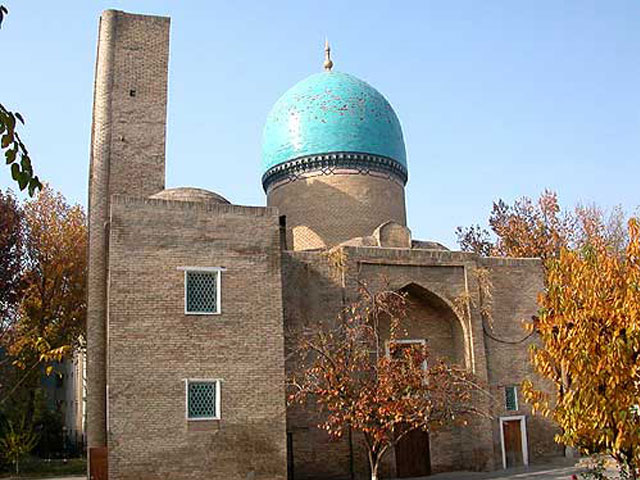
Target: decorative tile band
{"x": 332, "y": 164}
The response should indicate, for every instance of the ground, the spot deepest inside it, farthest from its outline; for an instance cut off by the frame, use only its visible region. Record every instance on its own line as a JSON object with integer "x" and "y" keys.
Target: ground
{"x": 560, "y": 470}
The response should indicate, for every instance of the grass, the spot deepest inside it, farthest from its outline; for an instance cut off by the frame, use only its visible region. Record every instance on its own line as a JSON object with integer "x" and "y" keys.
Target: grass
{"x": 33, "y": 467}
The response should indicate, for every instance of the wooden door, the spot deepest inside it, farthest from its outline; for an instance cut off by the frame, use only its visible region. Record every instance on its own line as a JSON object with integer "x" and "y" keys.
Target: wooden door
{"x": 412, "y": 455}
{"x": 98, "y": 469}
{"x": 513, "y": 443}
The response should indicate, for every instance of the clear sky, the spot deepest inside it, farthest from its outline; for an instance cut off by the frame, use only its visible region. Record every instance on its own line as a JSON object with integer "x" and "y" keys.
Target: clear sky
{"x": 497, "y": 99}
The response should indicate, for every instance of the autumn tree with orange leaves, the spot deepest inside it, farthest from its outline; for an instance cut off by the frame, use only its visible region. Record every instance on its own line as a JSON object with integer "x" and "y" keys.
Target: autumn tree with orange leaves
{"x": 384, "y": 396}
{"x": 541, "y": 228}
{"x": 589, "y": 326}
{"x": 51, "y": 310}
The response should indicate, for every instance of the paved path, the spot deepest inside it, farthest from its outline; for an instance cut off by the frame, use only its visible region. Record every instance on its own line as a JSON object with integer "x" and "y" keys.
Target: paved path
{"x": 562, "y": 469}
{"x": 75, "y": 477}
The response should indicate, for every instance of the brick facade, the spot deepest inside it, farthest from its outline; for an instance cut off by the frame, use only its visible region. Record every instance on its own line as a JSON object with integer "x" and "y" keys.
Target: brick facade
{"x": 433, "y": 280}
{"x": 154, "y": 346}
{"x": 127, "y": 156}
{"x": 277, "y": 277}
{"x": 325, "y": 210}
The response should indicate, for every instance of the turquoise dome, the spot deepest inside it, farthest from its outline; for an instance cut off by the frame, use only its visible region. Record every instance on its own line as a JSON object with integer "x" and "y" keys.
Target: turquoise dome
{"x": 332, "y": 112}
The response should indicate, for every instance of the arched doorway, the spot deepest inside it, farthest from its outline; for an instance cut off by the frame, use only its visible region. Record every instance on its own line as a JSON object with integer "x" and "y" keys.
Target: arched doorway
{"x": 431, "y": 320}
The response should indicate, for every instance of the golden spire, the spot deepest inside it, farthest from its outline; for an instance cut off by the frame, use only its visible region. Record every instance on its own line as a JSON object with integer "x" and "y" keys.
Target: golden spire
{"x": 328, "y": 64}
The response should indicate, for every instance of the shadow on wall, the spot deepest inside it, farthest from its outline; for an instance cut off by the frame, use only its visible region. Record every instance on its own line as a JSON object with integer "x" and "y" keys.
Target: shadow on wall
{"x": 330, "y": 209}
{"x": 432, "y": 318}
{"x": 229, "y": 450}
{"x": 248, "y": 451}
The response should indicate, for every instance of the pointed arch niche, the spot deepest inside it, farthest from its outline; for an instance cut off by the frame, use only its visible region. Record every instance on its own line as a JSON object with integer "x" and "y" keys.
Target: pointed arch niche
{"x": 432, "y": 318}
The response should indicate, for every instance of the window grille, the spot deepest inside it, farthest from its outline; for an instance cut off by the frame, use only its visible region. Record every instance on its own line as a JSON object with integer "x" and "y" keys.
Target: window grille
{"x": 511, "y": 397}
{"x": 202, "y": 292}
{"x": 203, "y": 400}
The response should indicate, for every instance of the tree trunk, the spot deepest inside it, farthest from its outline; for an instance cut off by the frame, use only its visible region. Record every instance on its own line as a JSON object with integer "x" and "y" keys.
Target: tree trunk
{"x": 374, "y": 460}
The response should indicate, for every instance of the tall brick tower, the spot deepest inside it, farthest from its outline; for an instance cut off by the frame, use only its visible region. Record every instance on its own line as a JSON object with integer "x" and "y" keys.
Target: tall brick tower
{"x": 127, "y": 157}
{"x": 334, "y": 160}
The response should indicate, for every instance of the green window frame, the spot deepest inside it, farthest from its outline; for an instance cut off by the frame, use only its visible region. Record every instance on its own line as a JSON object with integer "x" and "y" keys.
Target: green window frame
{"x": 202, "y": 287}
{"x": 202, "y": 399}
{"x": 511, "y": 398}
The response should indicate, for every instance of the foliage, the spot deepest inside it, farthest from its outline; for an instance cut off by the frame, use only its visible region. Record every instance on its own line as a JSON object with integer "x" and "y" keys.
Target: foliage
{"x": 17, "y": 442}
{"x": 11, "y": 258}
{"x": 53, "y": 307}
{"x": 3, "y": 12}
{"x": 359, "y": 388}
{"x": 49, "y": 426}
{"x": 602, "y": 467}
{"x": 589, "y": 326}
{"x": 15, "y": 151}
{"x": 588, "y": 319}
{"x": 541, "y": 229}
{"x": 594, "y": 468}
{"x": 475, "y": 239}
{"x": 52, "y": 310}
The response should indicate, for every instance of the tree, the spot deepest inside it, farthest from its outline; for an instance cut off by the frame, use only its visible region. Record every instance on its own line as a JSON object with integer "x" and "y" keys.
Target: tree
{"x": 589, "y": 326}
{"x": 362, "y": 389}
{"x": 525, "y": 229}
{"x": 15, "y": 152}
{"x": 17, "y": 442}
{"x": 588, "y": 320}
{"x": 52, "y": 311}
{"x": 11, "y": 258}
{"x": 542, "y": 229}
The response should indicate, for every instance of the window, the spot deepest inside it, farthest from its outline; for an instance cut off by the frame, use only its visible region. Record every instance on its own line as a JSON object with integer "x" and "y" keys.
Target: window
{"x": 203, "y": 399}
{"x": 511, "y": 397}
{"x": 202, "y": 290}
{"x": 406, "y": 343}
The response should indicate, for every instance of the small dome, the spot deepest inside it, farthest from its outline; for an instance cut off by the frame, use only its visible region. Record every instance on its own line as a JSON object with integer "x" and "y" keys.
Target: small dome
{"x": 189, "y": 194}
{"x": 331, "y": 112}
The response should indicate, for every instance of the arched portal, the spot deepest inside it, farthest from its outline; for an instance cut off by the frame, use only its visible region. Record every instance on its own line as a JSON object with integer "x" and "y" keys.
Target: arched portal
{"x": 432, "y": 318}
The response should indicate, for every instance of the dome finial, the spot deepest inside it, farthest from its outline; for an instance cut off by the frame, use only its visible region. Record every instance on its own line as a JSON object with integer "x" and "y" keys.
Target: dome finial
{"x": 328, "y": 64}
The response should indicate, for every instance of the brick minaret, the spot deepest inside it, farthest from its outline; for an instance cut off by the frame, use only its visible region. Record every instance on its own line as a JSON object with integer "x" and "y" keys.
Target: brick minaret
{"x": 127, "y": 157}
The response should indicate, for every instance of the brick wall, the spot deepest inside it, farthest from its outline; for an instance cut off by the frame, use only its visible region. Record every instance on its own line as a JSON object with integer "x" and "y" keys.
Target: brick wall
{"x": 433, "y": 279}
{"x": 311, "y": 295}
{"x": 326, "y": 210}
{"x": 127, "y": 156}
{"x": 515, "y": 285}
{"x": 153, "y": 346}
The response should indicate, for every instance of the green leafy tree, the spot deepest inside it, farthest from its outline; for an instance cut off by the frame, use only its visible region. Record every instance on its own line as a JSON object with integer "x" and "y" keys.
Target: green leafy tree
{"x": 11, "y": 259}
{"x": 17, "y": 442}
{"x": 15, "y": 152}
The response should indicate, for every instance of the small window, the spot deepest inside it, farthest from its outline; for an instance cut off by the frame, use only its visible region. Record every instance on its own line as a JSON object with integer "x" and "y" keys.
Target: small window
{"x": 399, "y": 345}
{"x": 202, "y": 291}
{"x": 203, "y": 399}
{"x": 511, "y": 397}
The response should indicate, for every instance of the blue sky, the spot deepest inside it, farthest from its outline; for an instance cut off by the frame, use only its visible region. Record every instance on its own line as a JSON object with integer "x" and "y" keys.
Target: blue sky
{"x": 497, "y": 99}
